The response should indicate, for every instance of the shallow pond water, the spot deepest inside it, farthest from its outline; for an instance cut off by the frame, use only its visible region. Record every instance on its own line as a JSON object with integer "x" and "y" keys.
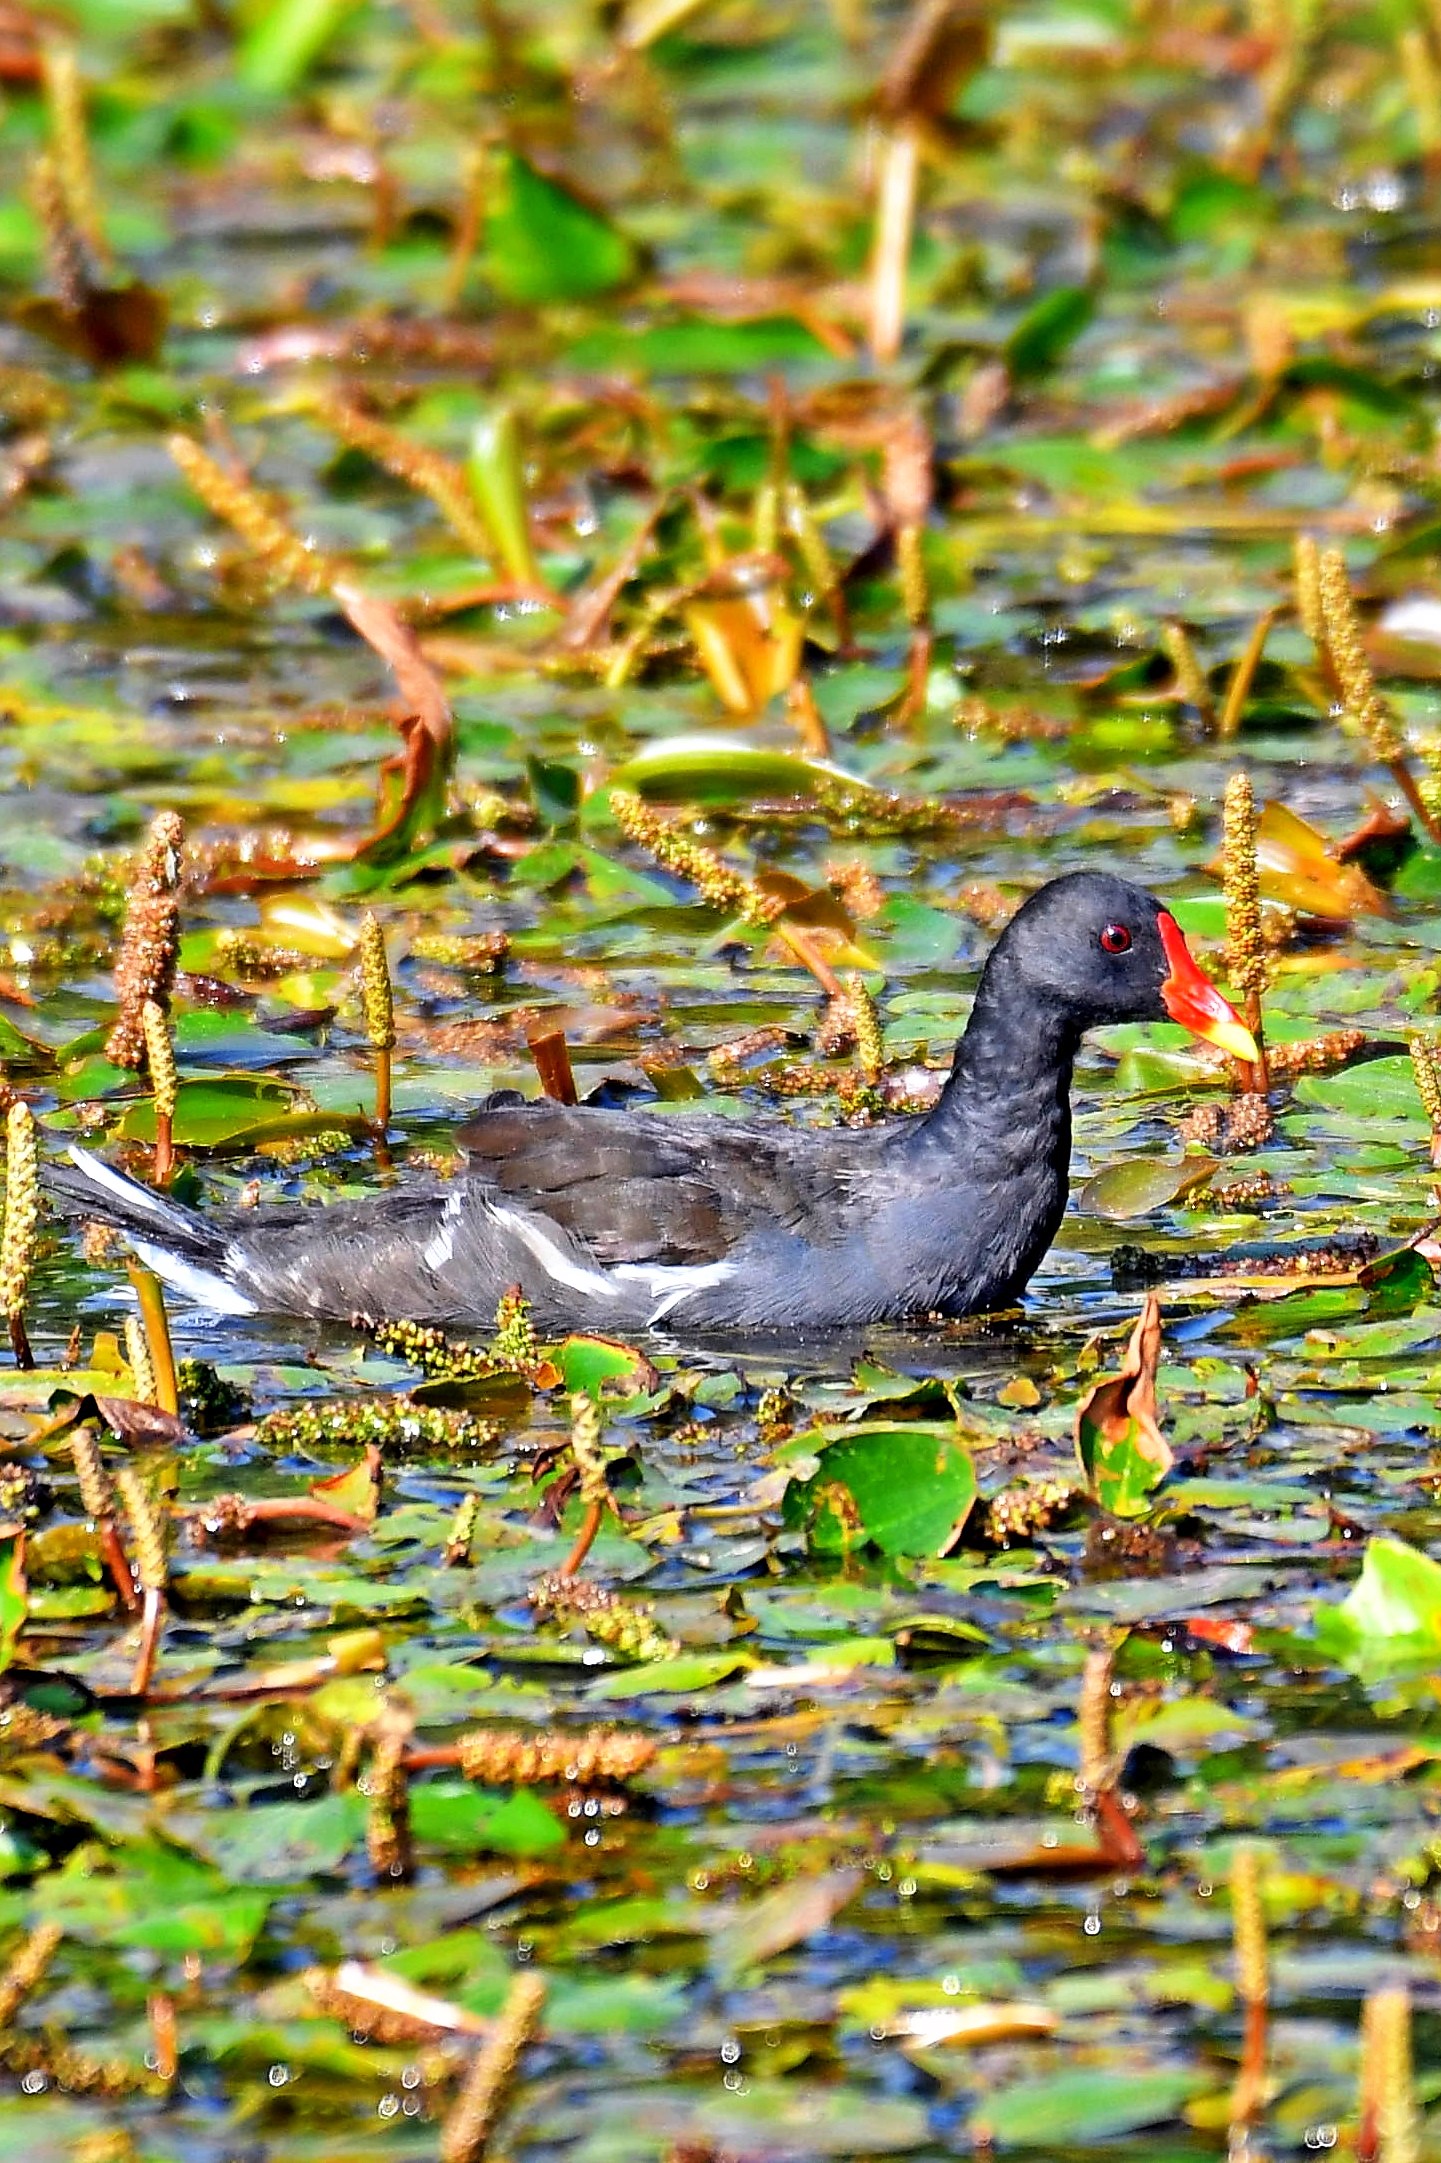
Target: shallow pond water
{"x": 940, "y": 1770}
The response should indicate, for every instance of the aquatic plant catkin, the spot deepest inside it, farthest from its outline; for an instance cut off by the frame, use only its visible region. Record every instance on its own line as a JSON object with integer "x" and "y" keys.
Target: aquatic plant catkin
{"x": 22, "y": 1220}
{"x": 1389, "y": 2110}
{"x": 1426, "y": 1067}
{"x": 137, "y": 1356}
{"x": 1346, "y": 651}
{"x": 387, "y": 1830}
{"x": 713, "y": 880}
{"x": 150, "y": 942}
{"x": 468, "y": 2127}
{"x": 164, "y": 1085}
{"x": 497, "y": 1758}
{"x": 1306, "y": 573}
{"x": 25, "y": 1969}
{"x": 65, "y": 112}
{"x": 234, "y": 500}
{"x": 1246, "y": 960}
{"x": 377, "y": 1000}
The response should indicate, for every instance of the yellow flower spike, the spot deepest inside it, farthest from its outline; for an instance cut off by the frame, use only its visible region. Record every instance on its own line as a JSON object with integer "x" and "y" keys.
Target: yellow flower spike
{"x": 377, "y": 1000}
{"x": 22, "y": 1221}
{"x": 1246, "y": 959}
{"x": 164, "y": 1085}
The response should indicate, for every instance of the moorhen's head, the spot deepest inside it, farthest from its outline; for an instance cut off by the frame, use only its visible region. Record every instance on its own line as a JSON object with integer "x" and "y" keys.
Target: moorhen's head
{"x": 1103, "y": 950}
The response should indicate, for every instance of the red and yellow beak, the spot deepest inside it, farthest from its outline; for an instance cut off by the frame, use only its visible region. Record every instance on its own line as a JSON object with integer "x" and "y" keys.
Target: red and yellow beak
{"x": 1193, "y": 1000}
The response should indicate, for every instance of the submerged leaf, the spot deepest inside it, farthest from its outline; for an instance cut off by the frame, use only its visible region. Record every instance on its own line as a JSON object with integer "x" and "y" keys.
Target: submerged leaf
{"x": 1136, "y": 1185}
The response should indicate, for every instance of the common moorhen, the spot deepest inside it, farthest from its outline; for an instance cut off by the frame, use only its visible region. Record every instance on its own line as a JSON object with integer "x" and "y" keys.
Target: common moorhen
{"x": 620, "y": 1220}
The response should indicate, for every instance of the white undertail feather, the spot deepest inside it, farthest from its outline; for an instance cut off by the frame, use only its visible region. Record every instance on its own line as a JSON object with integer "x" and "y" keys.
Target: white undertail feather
{"x": 676, "y": 1281}
{"x": 120, "y": 1189}
{"x": 204, "y": 1286}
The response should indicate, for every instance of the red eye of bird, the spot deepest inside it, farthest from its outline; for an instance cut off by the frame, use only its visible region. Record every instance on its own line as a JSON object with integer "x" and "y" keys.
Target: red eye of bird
{"x": 1115, "y": 939}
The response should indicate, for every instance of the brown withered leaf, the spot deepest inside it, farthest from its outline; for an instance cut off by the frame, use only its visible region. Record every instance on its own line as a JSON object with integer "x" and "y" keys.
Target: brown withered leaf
{"x": 112, "y": 324}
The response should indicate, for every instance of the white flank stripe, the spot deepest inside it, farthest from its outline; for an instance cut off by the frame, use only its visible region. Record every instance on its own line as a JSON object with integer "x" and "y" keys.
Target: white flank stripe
{"x": 668, "y": 1282}
{"x": 674, "y": 1281}
{"x": 440, "y": 1247}
{"x": 590, "y": 1283}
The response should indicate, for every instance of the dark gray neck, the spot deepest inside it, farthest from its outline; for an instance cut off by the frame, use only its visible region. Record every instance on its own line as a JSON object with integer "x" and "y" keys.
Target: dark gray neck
{"x": 1011, "y": 1076}
{"x": 993, "y": 1159}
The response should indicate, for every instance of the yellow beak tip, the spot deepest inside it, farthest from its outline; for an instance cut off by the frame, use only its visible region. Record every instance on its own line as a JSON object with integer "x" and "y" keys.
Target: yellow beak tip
{"x": 1234, "y": 1037}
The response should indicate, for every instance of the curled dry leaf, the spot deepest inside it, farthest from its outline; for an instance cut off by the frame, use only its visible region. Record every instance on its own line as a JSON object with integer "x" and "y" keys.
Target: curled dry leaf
{"x": 1298, "y": 867}
{"x": 1122, "y": 1450}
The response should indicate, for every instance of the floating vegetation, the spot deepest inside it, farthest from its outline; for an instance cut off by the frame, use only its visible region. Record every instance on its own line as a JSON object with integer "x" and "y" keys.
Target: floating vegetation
{"x": 390, "y": 1424}
{"x": 637, "y": 555}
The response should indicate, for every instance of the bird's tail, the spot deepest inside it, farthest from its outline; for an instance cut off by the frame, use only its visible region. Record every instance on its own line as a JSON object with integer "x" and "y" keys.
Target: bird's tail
{"x": 183, "y": 1249}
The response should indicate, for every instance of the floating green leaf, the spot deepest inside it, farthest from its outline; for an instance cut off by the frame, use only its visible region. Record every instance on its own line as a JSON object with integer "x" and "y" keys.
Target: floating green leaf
{"x": 907, "y": 1489}
{"x": 543, "y": 243}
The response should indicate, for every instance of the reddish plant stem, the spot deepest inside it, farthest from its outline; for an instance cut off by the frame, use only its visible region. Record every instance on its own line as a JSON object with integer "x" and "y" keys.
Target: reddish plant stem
{"x": 160, "y": 2007}
{"x": 1120, "y": 1841}
{"x": 918, "y": 676}
{"x": 1405, "y": 781}
{"x": 117, "y": 1562}
{"x": 552, "y": 1064}
{"x": 1251, "y": 2078}
{"x": 20, "y": 1342}
{"x": 806, "y": 952}
{"x": 163, "y": 1162}
{"x": 152, "y": 1622}
{"x": 432, "y": 1756}
{"x": 584, "y": 1539}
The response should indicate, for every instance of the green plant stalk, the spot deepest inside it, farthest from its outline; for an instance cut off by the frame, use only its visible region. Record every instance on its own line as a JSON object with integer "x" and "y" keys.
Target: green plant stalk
{"x": 157, "y": 1334}
{"x": 496, "y": 471}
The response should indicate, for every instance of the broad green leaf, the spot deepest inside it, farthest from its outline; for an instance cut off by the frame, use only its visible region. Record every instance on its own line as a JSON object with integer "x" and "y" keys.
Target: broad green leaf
{"x": 1377, "y": 1089}
{"x": 1047, "y": 329}
{"x": 211, "y": 1112}
{"x": 496, "y": 472}
{"x": 589, "y": 1363}
{"x": 685, "y": 1673}
{"x": 454, "y": 1816}
{"x": 286, "y": 38}
{"x": 721, "y": 769}
{"x": 907, "y": 1489}
{"x": 543, "y": 243}
{"x": 14, "y": 1596}
{"x": 1393, "y": 1611}
{"x": 1068, "y": 2107}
